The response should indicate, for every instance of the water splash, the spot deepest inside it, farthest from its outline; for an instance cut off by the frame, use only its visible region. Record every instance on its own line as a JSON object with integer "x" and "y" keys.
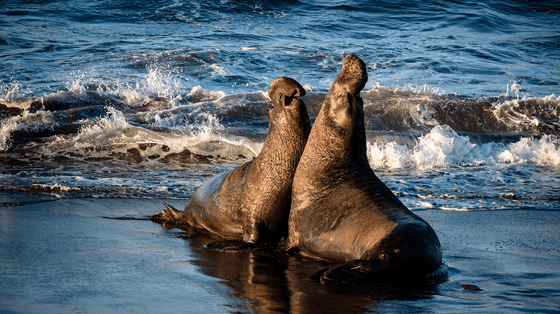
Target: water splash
{"x": 531, "y": 115}
{"x": 198, "y": 94}
{"x": 513, "y": 90}
{"x": 12, "y": 91}
{"x": 36, "y": 121}
{"x": 544, "y": 151}
{"x": 103, "y": 130}
{"x": 220, "y": 71}
{"x": 155, "y": 85}
{"x": 6, "y": 128}
{"x": 443, "y": 147}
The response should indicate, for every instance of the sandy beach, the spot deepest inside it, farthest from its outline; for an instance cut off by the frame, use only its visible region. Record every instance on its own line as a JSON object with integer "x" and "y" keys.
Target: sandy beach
{"x": 67, "y": 256}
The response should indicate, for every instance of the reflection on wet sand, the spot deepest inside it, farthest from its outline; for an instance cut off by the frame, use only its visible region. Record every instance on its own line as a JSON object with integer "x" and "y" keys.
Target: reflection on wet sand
{"x": 273, "y": 281}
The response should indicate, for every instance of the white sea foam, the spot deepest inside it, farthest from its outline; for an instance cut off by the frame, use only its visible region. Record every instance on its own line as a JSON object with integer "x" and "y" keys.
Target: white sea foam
{"x": 242, "y": 99}
{"x": 423, "y": 116}
{"x": 155, "y": 84}
{"x": 198, "y": 94}
{"x": 6, "y": 128}
{"x": 424, "y": 204}
{"x": 54, "y": 187}
{"x": 309, "y": 88}
{"x": 512, "y": 90}
{"x": 113, "y": 129}
{"x": 221, "y": 71}
{"x": 78, "y": 82}
{"x": 173, "y": 127}
{"x": 509, "y": 113}
{"x": 175, "y": 102}
{"x": 545, "y": 151}
{"x": 413, "y": 91}
{"x": 455, "y": 209}
{"x": 390, "y": 155}
{"x": 39, "y": 120}
{"x": 409, "y": 92}
{"x": 528, "y": 113}
{"x": 114, "y": 134}
{"x": 443, "y": 147}
{"x": 424, "y": 89}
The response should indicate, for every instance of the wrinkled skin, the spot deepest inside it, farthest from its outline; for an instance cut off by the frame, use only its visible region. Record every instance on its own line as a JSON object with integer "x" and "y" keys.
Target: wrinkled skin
{"x": 341, "y": 211}
{"x": 252, "y": 202}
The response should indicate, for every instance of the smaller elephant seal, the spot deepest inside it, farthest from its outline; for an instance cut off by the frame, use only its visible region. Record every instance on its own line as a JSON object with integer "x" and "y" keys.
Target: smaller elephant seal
{"x": 341, "y": 211}
{"x": 252, "y": 202}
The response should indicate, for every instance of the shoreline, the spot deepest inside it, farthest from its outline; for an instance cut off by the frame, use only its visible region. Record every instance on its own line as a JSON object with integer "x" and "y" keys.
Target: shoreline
{"x": 63, "y": 256}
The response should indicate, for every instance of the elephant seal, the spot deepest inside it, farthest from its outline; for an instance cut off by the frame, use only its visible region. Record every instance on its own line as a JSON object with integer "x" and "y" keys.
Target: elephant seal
{"x": 341, "y": 211}
{"x": 252, "y": 202}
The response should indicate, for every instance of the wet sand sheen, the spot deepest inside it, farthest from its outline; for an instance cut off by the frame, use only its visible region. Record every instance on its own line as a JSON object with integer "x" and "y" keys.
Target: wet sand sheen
{"x": 63, "y": 256}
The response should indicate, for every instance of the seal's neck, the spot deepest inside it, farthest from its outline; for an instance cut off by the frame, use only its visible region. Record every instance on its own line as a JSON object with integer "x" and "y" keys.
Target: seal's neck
{"x": 340, "y": 130}
{"x": 286, "y": 139}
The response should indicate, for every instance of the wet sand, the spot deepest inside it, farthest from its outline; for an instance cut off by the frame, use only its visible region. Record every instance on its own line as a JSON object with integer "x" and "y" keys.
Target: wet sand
{"x": 66, "y": 256}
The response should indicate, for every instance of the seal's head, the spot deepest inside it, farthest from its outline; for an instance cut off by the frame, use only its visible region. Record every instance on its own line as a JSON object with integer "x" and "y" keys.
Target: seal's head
{"x": 286, "y": 102}
{"x": 286, "y": 86}
{"x": 353, "y": 76}
{"x": 343, "y": 105}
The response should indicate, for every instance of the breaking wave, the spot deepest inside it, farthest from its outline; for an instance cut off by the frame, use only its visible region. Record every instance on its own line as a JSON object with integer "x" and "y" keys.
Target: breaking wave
{"x": 443, "y": 147}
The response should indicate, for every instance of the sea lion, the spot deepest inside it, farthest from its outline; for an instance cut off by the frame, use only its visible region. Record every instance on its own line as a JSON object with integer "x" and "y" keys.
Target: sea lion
{"x": 341, "y": 211}
{"x": 252, "y": 202}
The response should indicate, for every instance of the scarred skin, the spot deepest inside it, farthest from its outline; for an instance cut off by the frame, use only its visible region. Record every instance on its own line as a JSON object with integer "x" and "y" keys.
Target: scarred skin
{"x": 252, "y": 202}
{"x": 341, "y": 211}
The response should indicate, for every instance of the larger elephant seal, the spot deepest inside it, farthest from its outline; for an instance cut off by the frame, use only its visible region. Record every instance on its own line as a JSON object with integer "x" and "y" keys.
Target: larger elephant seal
{"x": 252, "y": 202}
{"x": 341, "y": 211}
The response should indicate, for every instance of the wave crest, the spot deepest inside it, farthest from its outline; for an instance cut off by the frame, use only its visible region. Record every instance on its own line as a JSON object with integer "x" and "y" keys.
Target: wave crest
{"x": 443, "y": 147}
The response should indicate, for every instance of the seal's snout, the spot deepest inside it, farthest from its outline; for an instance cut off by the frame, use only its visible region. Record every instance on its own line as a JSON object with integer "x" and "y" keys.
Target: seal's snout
{"x": 353, "y": 74}
{"x": 355, "y": 66}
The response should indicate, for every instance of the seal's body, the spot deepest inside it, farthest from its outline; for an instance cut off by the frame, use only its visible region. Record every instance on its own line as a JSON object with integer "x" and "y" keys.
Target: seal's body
{"x": 252, "y": 202}
{"x": 340, "y": 210}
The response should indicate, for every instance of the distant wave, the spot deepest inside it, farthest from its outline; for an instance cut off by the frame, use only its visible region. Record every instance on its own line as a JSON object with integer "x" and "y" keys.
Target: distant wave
{"x": 409, "y": 111}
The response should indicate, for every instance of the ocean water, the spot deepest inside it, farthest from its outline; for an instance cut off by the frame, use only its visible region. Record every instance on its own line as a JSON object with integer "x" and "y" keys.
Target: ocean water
{"x": 149, "y": 99}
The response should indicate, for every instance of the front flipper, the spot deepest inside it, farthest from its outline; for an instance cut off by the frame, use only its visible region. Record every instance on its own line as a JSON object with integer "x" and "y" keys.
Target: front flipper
{"x": 257, "y": 233}
{"x": 251, "y": 232}
{"x": 169, "y": 214}
{"x": 358, "y": 270}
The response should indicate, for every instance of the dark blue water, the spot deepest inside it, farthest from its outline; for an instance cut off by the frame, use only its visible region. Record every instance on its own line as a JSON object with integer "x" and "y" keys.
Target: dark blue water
{"x": 469, "y": 48}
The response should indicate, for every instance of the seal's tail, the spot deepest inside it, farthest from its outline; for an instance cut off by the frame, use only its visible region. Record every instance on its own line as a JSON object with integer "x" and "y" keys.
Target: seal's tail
{"x": 169, "y": 214}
